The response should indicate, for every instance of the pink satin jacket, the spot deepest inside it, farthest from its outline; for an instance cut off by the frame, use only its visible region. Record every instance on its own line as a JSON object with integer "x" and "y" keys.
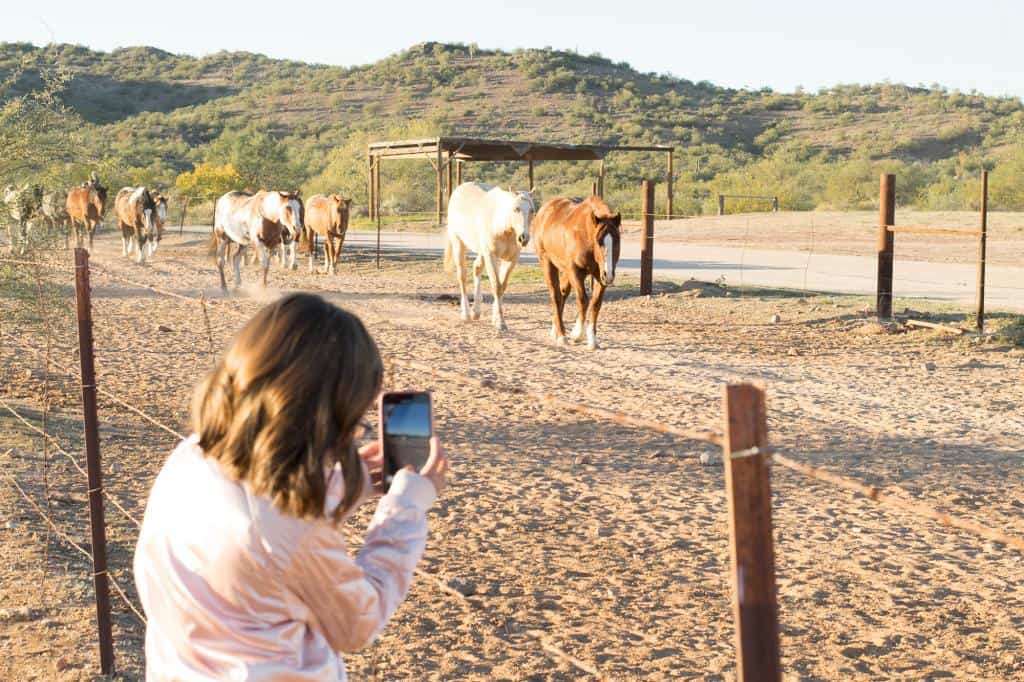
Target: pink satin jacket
{"x": 235, "y": 590}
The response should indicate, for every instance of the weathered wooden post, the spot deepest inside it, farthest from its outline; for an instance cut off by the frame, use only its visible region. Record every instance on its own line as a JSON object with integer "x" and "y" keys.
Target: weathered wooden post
{"x": 751, "y": 545}
{"x": 886, "y": 242}
{"x": 721, "y": 204}
{"x": 671, "y": 183}
{"x": 440, "y": 181}
{"x": 600, "y": 180}
{"x": 458, "y": 173}
{"x": 370, "y": 201}
{"x": 92, "y": 461}
{"x": 647, "y": 240}
{"x": 184, "y": 210}
{"x": 530, "y": 171}
{"x": 451, "y": 178}
{"x": 775, "y": 204}
{"x": 982, "y": 236}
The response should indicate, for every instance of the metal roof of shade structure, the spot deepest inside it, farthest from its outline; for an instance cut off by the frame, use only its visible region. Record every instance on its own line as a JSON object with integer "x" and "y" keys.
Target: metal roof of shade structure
{"x": 478, "y": 149}
{"x": 447, "y": 154}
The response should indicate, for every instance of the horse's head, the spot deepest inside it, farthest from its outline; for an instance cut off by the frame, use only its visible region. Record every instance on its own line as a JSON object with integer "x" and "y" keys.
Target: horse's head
{"x": 291, "y": 213}
{"x": 520, "y": 214}
{"x": 605, "y": 229}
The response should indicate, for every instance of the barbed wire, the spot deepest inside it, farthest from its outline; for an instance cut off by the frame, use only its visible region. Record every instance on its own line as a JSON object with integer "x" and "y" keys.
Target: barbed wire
{"x": 888, "y": 500}
{"x": 66, "y": 538}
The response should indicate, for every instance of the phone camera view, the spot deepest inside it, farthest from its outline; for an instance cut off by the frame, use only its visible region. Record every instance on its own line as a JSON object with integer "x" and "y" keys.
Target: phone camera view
{"x": 406, "y": 431}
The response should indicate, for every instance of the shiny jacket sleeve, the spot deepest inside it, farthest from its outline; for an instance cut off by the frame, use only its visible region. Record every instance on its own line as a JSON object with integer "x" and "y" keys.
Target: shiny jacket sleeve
{"x": 352, "y": 599}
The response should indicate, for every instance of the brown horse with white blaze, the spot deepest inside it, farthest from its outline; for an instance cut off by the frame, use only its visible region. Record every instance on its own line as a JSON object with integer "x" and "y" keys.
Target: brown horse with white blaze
{"x": 135, "y": 211}
{"x": 575, "y": 238}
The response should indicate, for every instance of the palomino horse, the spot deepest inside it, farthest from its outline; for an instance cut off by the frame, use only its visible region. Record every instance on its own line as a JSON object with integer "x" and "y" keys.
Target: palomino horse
{"x": 328, "y": 218}
{"x": 23, "y": 206}
{"x": 258, "y": 220}
{"x": 85, "y": 205}
{"x": 574, "y": 238}
{"x": 135, "y": 209}
{"x": 494, "y": 223}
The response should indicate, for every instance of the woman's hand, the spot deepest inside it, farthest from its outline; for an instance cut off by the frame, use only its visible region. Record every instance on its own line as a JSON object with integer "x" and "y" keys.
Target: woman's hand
{"x": 373, "y": 460}
{"x": 436, "y": 468}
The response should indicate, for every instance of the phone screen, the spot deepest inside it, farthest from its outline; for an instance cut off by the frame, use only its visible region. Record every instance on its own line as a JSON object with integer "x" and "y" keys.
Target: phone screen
{"x": 406, "y": 428}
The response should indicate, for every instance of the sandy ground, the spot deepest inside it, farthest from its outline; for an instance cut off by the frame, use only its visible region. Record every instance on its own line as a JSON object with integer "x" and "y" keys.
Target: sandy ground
{"x": 609, "y": 542}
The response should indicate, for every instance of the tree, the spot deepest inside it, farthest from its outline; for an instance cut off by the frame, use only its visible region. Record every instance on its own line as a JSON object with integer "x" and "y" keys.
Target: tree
{"x": 208, "y": 181}
{"x": 260, "y": 161}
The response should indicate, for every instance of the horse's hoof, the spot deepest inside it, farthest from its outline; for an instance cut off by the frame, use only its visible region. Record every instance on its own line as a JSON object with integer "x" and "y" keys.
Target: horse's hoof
{"x": 560, "y": 342}
{"x": 592, "y": 345}
{"x": 476, "y": 314}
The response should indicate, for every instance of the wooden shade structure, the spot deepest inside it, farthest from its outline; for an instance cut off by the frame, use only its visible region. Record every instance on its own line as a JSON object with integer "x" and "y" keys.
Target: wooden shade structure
{"x": 446, "y": 155}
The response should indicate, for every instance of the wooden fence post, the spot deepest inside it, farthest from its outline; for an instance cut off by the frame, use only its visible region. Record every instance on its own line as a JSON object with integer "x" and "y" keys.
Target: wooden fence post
{"x": 92, "y": 461}
{"x": 184, "y": 210}
{"x": 886, "y": 242}
{"x": 450, "y": 180}
{"x": 370, "y": 202}
{"x": 530, "y": 171}
{"x": 458, "y": 173}
{"x": 440, "y": 181}
{"x": 982, "y": 236}
{"x": 751, "y": 544}
{"x": 647, "y": 240}
{"x": 775, "y": 204}
{"x": 600, "y": 180}
{"x": 721, "y": 204}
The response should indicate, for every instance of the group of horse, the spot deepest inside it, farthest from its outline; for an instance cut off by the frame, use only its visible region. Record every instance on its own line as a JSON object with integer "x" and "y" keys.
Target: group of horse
{"x": 274, "y": 220}
{"x": 141, "y": 215}
{"x": 574, "y": 239}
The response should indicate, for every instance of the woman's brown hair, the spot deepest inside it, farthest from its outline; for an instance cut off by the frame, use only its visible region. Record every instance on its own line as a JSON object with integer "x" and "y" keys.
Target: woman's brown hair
{"x": 282, "y": 406}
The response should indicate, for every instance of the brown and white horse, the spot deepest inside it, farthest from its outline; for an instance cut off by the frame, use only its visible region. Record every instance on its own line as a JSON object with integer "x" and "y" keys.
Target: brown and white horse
{"x": 159, "y": 218}
{"x": 575, "y": 238}
{"x": 135, "y": 211}
{"x": 86, "y": 205}
{"x": 328, "y": 218}
{"x": 23, "y": 206}
{"x": 258, "y": 220}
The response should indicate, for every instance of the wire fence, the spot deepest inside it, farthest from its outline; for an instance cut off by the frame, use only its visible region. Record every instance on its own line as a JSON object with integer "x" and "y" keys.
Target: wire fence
{"x": 50, "y": 323}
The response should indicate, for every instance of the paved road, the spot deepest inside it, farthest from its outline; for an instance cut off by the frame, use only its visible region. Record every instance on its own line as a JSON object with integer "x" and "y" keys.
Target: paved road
{"x": 678, "y": 261}
{"x": 784, "y": 269}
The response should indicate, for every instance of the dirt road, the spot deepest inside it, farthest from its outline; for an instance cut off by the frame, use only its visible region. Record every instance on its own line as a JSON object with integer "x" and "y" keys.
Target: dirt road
{"x": 605, "y": 541}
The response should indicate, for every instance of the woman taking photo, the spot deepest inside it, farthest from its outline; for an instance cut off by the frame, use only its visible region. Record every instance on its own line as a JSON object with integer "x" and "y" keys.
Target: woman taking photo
{"x": 240, "y": 566}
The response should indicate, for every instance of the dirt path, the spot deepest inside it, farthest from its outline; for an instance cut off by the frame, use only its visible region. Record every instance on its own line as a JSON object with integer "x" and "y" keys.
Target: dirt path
{"x": 610, "y": 542}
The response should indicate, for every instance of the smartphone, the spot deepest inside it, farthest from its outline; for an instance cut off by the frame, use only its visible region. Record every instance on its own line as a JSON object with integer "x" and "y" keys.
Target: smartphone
{"x": 406, "y": 425}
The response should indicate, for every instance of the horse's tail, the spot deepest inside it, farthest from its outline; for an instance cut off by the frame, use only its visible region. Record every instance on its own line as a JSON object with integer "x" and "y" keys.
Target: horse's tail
{"x": 449, "y": 256}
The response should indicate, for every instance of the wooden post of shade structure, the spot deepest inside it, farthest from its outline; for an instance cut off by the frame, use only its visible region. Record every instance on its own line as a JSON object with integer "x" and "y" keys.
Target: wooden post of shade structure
{"x": 377, "y": 206}
{"x": 451, "y": 179}
{"x": 458, "y": 173}
{"x": 982, "y": 236}
{"x": 671, "y": 183}
{"x": 593, "y": 188}
{"x": 600, "y": 180}
{"x": 647, "y": 240}
{"x": 721, "y": 204}
{"x": 775, "y": 204}
{"x": 370, "y": 202}
{"x": 440, "y": 182}
{"x": 530, "y": 171}
{"x": 886, "y": 242}
{"x": 751, "y": 546}
{"x": 83, "y": 298}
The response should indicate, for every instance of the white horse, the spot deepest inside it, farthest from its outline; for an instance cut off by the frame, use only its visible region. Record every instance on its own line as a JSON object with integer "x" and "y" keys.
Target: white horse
{"x": 258, "y": 220}
{"x": 494, "y": 223}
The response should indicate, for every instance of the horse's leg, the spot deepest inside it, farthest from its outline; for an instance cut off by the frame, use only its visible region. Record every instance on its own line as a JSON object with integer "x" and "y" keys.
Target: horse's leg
{"x": 292, "y": 252}
{"x": 596, "y": 299}
{"x": 124, "y": 241}
{"x": 506, "y": 273}
{"x": 336, "y": 252}
{"x": 312, "y": 249}
{"x": 497, "y": 317}
{"x": 551, "y": 277}
{"x": 236, "y": 260}
{"x": 264, "y": 254}
{"x": 578, "y": 288}
{"x": 478, "y": 296}
{"x": 459, "y": 256}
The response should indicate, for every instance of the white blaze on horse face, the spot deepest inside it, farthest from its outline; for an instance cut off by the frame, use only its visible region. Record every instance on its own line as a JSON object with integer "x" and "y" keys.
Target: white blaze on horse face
{"x": 148, "y": 221}
{"x": 161, "y": 212}
{"x": 609, "y": 260}
{"x": 296, "y": 211}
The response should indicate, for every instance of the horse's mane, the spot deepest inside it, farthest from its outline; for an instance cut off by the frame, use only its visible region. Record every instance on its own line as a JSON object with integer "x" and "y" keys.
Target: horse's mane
{"x": 600, "y": 209}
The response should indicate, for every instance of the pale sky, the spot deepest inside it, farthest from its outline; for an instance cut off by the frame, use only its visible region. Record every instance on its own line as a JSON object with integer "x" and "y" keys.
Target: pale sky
{"x": 736, "y": 43}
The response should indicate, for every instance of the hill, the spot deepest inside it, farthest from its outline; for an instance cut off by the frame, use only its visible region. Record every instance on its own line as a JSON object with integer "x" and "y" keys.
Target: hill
{"x": 151, "y": 115}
